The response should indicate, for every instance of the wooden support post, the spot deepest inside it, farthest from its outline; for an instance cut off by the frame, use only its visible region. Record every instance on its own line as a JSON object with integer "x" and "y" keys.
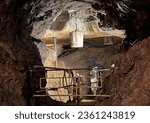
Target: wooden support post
{"x": 55, "y": 49}
{"x": 78, "y": 91}
{"x": 101, "y": 80}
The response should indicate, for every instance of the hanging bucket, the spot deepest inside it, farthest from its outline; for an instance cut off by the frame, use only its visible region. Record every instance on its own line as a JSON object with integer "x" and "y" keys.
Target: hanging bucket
{"x": 77, "y": 39}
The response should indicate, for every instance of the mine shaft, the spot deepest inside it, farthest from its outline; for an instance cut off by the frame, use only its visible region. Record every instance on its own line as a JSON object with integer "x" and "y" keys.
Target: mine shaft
{"x": 74, "y": 52}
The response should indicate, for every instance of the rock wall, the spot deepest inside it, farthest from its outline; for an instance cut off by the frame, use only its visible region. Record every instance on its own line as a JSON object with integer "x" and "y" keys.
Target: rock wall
{"x": 17, "y": 55}
{"x": 129, "y": 84}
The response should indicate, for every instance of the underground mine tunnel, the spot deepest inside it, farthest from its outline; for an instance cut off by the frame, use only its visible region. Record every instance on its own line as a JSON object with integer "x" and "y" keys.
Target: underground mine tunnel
{"x": 74, "y": 52}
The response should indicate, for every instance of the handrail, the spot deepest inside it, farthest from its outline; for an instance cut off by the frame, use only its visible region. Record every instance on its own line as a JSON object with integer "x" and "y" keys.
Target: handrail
{"x": 67, "y": 69}
{"x": 69, "y": 83}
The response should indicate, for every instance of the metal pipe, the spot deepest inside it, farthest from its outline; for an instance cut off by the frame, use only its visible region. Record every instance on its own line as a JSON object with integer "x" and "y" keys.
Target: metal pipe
{"x": 53, "y": 68}
{"x": 63, "y": 77}
{"x": 67, "y": 87}
{"x": 74, "y": 95}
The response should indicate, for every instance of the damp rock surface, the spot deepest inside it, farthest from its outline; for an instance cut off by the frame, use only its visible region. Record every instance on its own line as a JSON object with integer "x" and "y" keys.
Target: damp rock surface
{"x": 129, "y": 83}
{"x": 17, "y": 56}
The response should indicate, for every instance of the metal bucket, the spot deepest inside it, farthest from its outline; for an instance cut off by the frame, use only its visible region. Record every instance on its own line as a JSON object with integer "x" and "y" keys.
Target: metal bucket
{"x": 77, "y": 39}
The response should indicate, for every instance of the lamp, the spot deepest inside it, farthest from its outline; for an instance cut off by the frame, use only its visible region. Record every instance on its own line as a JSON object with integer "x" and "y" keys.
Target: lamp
{"x": 76, "y": 36}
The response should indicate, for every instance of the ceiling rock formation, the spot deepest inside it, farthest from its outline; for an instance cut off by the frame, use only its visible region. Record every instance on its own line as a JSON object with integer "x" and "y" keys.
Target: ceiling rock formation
{"x": 98, "y": 17}
{"x": 58, "y": 18}
{"x": 132, "y": 15}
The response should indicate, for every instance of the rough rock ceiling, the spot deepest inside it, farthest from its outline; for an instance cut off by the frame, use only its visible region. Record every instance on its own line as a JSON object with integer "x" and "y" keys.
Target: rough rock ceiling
{"x": 49, "y": 18}
{"x": 57, "y": 18}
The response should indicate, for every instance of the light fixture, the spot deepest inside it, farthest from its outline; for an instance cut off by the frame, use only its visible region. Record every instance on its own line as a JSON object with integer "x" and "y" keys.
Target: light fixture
{"x": 77, "y": 35}
{"x": 76, "y": 39}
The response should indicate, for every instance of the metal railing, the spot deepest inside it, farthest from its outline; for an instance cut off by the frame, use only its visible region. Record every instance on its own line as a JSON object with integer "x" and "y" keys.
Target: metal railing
{"x": 68, "y": 83}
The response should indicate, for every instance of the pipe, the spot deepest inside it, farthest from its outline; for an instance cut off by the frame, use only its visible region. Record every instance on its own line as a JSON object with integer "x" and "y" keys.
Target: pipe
{"x": 73, "y": 95}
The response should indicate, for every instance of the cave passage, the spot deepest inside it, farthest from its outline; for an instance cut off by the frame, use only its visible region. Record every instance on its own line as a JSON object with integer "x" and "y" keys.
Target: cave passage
{"x": 74, "y": 52}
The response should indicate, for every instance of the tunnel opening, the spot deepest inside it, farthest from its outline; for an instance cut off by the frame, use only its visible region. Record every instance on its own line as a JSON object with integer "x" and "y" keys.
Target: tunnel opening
{"x": 64, "y": 27}
{"x": 64, "y": 63}
{"x": 38, "y": 33}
